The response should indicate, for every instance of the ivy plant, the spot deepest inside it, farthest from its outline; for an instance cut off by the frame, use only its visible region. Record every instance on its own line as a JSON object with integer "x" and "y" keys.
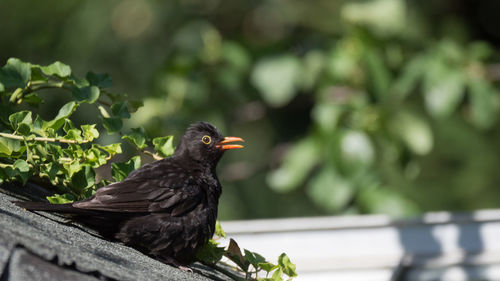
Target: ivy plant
{"x": 61, "y": 156}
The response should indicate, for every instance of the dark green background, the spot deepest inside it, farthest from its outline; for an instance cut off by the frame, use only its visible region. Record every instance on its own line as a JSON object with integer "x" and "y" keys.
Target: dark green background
{"x": 383, "y": 106}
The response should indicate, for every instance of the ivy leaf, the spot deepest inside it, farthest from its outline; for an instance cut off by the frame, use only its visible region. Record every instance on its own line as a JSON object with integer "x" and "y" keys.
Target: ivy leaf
{"x": 15, "y": 74}
{"x": 218, "y": 230}
{"x": 137, "y": 137}
{"x": 8, "y": 146}
{"x": 23, "y": 170}
{"x": 112, "y": 149}
{"x": 120, "y": 171}
{"x": 86, "y": 94}
{"x": 254, "y": 258}
{"x": 61, "y": 198}
{"x": 99, "y": 80}
{"x": 84, "y": 178}
{"x": 57, "y": 68}
{"x": 211, "y": 253}
{"x": 63, "y": 113}
{"x": 112, "y": 124}
{"x": 120, "y": 109}
{"x": 164, "y": 145}
{"x": 286, "y": 265}
{"x": 267, "y": 266}
{"x": 21, "y": 121}
{"x": 89, "y": 132}
{"x": 33, "y": 99}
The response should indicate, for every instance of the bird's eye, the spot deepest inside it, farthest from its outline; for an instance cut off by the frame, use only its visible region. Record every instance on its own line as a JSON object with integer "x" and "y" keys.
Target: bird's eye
{"x": 206, "y": 139}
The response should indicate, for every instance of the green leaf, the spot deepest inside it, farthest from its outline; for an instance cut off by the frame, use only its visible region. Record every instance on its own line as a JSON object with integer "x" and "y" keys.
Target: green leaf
{"x": 277, "y": 79}
{"x": 61, "y": 198}
{"x": 329, "y": 190}
{"x": 484, "y": 103}
{"x": 23, "y": 170}
{"x": 356, "y": 150}
{"x": 411, "y": 74}
{"x": 277, "y": 275}
{"x": 21, "y": 121}
{"x": 57, "y": 68}
{"x": 413, "y": 131}
{"x": 2, "y": 88}
{"x": 112, "y": 149}
{"x": 88, "y": 94}
{"x": 74, "y": 134}
{"x": 385, "y": 201}
{"x": 137, "y": 137}
{"x": 119, "y": 171}
{"x": 99, "y": 80}
{"x": 297, "y": 164}
{"x": 286, "y": 265}
{"x": 254, "y": 258}
{"x": 218, "y": 230}
{"x": 15, "y": 74}
{"x": 164, "y": 145}
{"x": 120, "y": 109}
{"x": 378, "y": 74}
{"x": 33, "y": 99}
{"x": 267, "y": 266}
{"x": 443, "y": 88}
{"x": 89, "y": 132}
{"x": 112, "y": 124}
{"x": 63, "y": 113}
{"x": 211, "y": 253}
{"x": 8, "y": 146}
{"x": 84, "y": 178}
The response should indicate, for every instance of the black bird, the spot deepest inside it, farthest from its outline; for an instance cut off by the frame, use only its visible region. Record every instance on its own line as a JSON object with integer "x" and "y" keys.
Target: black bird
{"x": 166, "y": 209}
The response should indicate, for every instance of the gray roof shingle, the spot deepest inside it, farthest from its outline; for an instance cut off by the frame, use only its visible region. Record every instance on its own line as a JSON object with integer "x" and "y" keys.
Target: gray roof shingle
{"x": 44, "y": 246}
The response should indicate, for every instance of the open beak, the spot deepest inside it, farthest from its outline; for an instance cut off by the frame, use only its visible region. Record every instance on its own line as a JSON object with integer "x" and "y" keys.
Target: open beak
{"x": 223, "y": 145}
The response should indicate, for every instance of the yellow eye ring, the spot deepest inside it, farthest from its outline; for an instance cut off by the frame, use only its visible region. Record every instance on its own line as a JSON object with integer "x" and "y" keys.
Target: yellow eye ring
{"x": 206, "y": 139}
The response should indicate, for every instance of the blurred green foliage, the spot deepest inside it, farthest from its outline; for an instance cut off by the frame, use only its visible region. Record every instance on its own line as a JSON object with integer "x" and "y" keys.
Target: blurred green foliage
{"x": 380, "y": 106}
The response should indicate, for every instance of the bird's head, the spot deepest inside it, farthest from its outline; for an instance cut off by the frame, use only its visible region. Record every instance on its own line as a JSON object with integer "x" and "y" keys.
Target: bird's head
{"x": 203, "y": 143}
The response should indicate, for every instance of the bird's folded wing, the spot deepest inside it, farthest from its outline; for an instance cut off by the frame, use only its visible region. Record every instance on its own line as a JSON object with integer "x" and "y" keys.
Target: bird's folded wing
{"x": 176, "y": 194}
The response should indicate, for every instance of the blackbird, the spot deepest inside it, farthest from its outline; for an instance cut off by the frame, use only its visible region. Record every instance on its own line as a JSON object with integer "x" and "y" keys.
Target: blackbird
{"x": 166, "y": 209}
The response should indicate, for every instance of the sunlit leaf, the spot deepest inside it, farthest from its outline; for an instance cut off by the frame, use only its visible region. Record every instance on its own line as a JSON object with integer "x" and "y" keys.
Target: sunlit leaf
{"x": 286, "y": 265}
{"x": 164, "y": 145}
{"x": 57, "y": 68}
{"x": 414, "y": 132}
{"x": 329, "y": 190}
{"x": 63, "y": 113}
{"x": 276, "y": 79}
{"x": 137, "y": 137}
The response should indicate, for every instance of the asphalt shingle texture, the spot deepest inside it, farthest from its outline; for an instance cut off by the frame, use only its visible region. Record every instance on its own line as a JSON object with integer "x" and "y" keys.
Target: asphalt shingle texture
{"x": 44, "y": 246}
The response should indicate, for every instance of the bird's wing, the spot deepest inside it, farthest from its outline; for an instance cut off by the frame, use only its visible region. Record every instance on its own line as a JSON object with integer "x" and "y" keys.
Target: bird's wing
{"x": 157, "y": 187}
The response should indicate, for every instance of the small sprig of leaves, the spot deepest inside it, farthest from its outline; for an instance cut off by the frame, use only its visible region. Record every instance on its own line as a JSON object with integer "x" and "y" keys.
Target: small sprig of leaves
{"x": 251, "y": 265}
{"x": 55, "y": 153}
{"x": 63, "y": 157}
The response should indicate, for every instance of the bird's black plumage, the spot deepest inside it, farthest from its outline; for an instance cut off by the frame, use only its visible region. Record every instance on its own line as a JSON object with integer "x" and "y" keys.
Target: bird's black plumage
{"x": 166, "y": 209}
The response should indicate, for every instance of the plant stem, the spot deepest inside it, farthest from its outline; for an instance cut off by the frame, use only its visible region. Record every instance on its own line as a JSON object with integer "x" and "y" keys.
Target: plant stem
{"x": 16, "y": 137}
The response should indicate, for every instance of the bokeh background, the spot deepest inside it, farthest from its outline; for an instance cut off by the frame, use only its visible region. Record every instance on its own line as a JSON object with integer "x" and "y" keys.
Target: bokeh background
{"x": 376, "y": 106}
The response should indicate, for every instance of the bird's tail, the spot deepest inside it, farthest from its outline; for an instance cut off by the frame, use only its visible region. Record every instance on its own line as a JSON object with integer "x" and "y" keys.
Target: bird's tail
{"x": 47, "y": 207}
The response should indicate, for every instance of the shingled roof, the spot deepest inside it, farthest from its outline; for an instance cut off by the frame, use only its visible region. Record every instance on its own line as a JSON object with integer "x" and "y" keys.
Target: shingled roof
{"x": 42, "y": 246}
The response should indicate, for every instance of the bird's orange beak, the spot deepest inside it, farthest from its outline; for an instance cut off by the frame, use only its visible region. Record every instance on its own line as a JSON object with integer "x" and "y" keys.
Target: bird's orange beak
{"x": 222, "y": 145}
